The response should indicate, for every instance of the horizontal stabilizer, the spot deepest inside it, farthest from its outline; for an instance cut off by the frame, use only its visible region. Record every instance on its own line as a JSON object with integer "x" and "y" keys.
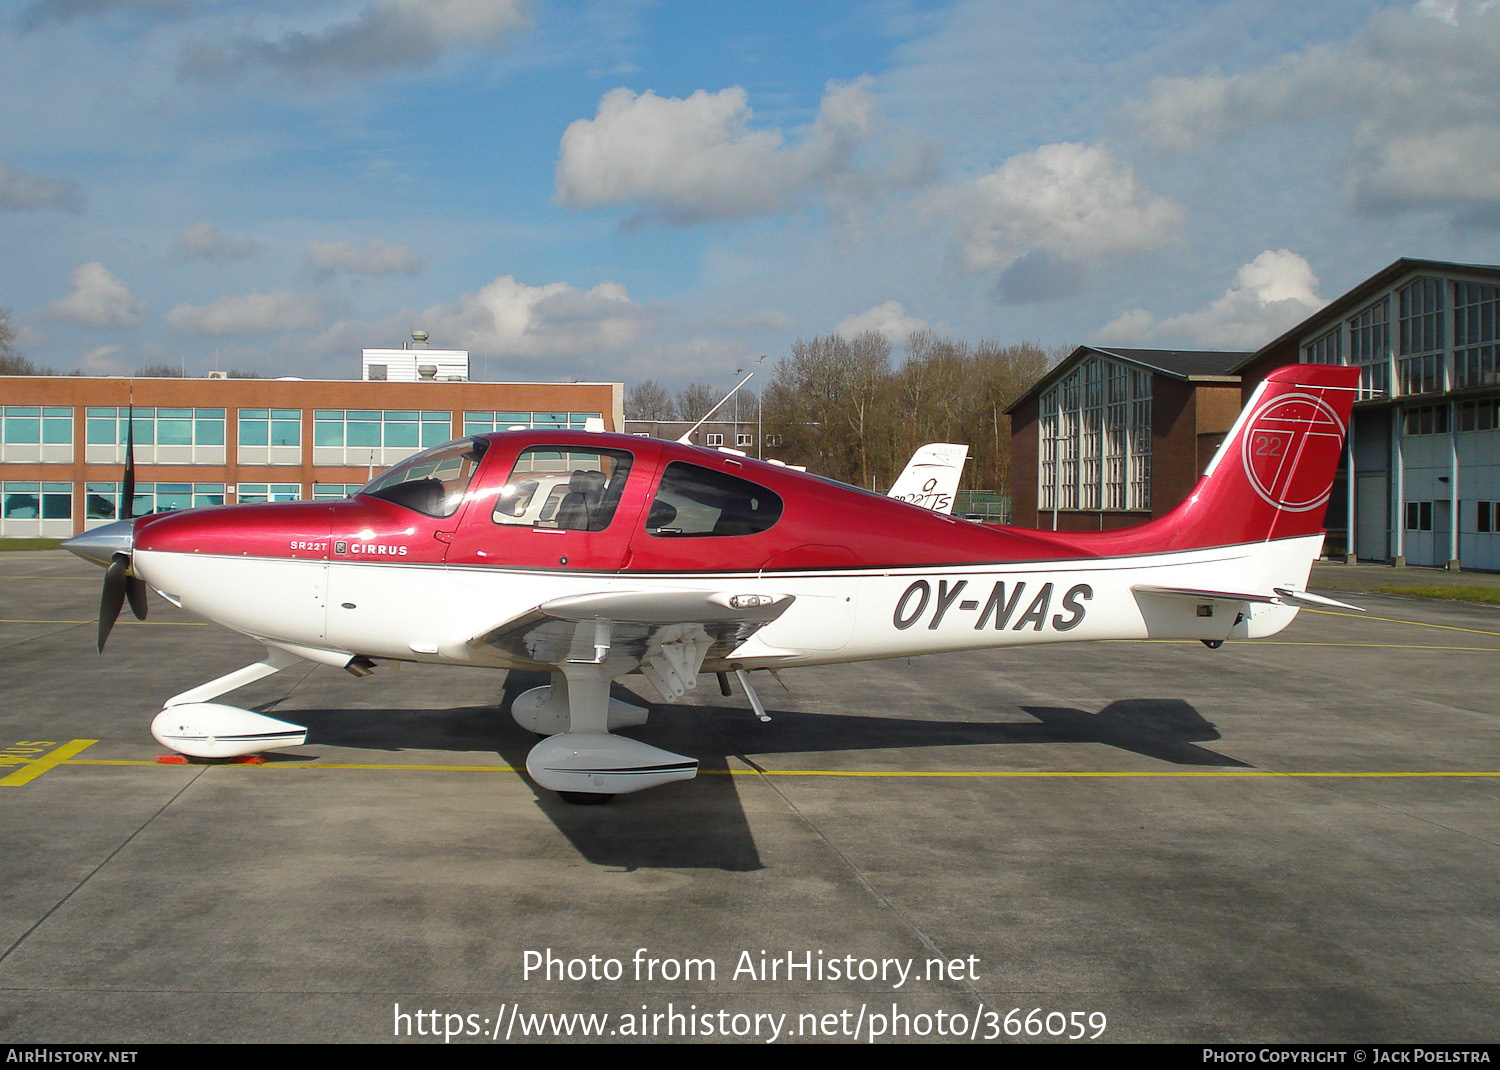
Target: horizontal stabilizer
{"x": 1278, "y": 596}
{"x": 1307, "y": 598}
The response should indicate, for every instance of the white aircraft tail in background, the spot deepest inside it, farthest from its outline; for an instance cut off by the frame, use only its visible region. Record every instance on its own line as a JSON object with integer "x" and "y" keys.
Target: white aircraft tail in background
{"x": 930, "y": 478}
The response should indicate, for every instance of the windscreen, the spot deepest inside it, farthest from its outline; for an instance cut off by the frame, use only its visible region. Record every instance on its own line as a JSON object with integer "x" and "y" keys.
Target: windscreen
{"x": 433, "y": 482}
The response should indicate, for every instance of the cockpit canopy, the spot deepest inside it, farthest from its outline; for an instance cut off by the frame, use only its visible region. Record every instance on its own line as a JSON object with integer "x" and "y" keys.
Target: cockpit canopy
{"x": 434, "y": 481}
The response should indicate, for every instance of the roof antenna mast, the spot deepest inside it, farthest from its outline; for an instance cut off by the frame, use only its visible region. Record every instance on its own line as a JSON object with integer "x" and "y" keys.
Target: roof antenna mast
{"x": 687, "y": 436}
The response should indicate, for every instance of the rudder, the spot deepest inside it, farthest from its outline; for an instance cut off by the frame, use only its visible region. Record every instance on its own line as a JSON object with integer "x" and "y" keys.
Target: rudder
{"x": 1272, "y": 475}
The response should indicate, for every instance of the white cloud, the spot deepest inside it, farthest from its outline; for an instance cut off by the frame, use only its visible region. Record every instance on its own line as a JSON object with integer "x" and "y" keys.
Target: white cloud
{"x": 888, "y": 318}
{"x": 204, "y": 241}
{"x": 249, "y": 313}
{"x": 22, "y": 191}
{"x": 373, "y": 258}
{"x": 1127, "y": 328}
{"x": 1457, "y": 168}
{"x": 1043, "y": 215}
{"x": 510, "y": 319}
{"x": 1448, "y": 10}
{"x": 99, "y": 299}
{"x": 1271, "y": 294}
{"x": 691, "y": 159}
{"x": 385, "y": 34}
{"x": 1416, "y": 94}
{"x": 102, "y": 360}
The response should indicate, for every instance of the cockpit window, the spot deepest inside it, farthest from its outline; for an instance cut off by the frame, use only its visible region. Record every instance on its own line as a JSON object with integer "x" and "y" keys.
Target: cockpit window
{"x": 696, "y": 501}
{"x": 433, "y": 482}
{"x": 564, "y": 487}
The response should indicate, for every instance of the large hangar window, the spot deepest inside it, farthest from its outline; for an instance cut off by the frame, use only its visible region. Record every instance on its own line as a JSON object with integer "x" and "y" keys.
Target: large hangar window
{"x": 1096, "y": 439}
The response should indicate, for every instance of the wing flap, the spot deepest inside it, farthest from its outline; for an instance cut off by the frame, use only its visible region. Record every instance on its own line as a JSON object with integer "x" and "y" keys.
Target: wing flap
{"x": 673, "y": 631}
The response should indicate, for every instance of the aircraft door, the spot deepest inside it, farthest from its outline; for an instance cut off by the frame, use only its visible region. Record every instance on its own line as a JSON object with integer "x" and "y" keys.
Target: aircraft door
{"x": 556, "y": 507}
{"x": 387, "y": 545}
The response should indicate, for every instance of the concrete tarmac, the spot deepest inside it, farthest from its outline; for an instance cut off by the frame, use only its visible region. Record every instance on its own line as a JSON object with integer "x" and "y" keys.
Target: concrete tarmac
{"x": 1291, "y": 840}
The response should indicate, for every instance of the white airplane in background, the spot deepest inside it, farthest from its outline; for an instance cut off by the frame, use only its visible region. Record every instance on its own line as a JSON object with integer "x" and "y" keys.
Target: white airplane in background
{"x": 593, "y": 556}
{"x": 930, "y": 478}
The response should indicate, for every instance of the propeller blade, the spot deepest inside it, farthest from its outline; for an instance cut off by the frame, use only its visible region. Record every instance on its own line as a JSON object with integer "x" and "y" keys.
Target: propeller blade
{"x": 135, "y": 593}
{"x": 115, "y": 581}
{"x": 127, "y": 490}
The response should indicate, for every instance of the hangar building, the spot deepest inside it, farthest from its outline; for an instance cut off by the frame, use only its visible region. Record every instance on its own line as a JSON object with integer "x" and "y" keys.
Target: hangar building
{"x": 1422, "y": 480}
{"x": 1117, "y": 436}
{"x": 1114, "y": 437}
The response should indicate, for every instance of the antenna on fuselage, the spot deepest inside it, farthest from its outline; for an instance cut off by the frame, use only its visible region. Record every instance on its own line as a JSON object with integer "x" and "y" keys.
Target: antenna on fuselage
{"x": 687, "y": 436}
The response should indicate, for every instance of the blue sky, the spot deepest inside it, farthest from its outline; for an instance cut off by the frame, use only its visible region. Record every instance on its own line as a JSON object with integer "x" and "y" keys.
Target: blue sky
{"x": 626, "y": 190}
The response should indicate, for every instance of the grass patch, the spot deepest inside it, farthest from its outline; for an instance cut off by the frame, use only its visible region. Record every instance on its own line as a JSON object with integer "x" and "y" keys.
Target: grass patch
{"x": 1487, "y": 595}
{"x": 30, "y": 544}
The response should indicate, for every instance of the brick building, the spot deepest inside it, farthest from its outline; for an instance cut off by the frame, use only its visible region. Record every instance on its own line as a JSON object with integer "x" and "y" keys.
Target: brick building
{"x": 212, "y": 441}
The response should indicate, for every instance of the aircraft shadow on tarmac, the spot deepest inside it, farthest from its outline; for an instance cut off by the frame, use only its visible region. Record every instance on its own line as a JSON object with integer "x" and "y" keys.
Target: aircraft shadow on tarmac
{"x": 644, "y": 831}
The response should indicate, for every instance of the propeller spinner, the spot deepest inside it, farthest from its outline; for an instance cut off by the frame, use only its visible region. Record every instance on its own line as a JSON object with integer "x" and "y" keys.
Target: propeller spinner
{"x": 111, "y": 546}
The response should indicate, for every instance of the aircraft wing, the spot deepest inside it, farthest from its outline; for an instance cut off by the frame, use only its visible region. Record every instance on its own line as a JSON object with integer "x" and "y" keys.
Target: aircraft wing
{"x": 666, "y": 633}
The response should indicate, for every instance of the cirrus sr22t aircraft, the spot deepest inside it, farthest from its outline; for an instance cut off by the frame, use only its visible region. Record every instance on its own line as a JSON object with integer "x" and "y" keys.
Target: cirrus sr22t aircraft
{"x": 594, "y": 555}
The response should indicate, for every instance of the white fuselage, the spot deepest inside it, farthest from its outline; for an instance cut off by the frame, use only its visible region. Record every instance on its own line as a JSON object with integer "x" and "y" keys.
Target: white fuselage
{"x": 429, "y": 613}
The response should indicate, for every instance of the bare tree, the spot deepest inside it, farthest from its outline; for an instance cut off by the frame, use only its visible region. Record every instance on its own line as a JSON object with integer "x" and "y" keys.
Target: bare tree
{"x": 695, "y": 399}
{"x": 160, "y": 371}
{"x": 11, "y": 360}
{"x": 841, "y": 409}
{"x": 1001, "y": 374}
{"x": 649, "y": 401}
{"x": 828, "y": 400}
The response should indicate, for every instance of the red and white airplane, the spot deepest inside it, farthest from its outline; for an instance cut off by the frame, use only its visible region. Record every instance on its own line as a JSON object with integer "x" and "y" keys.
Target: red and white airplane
{"x": 594, "y": 555}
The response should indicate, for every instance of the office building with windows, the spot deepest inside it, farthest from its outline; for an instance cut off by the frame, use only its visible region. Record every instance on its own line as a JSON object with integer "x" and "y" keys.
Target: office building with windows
{"x": 742, "y": 435}
{"x": 215, "y": 441}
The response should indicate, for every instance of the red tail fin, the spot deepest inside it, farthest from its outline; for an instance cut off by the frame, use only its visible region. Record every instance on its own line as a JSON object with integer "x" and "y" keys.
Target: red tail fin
{"x": 1272, "y": 476}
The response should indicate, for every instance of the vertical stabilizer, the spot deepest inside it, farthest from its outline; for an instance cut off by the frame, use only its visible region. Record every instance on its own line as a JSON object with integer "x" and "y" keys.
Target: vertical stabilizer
{"x": 1272, "y": 475}
{"x": 930, "y": 478}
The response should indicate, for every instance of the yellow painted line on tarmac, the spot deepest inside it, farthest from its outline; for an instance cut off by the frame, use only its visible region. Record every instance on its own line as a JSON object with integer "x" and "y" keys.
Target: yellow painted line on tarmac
{"x": 1071, "y": 774}
{"x": 950, "y": 774}
{"x": 1397, "y": 620}
{"x": 17, "y": 620}
{"x": 1375, "y": 646}
{"x": 1293, "y": 642}
{"x": 31, "y": 768}
{"x": 269, "y": 766}
{"x": 95, "y": 620}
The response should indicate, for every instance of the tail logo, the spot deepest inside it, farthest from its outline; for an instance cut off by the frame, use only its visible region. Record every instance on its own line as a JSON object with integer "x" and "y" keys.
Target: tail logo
{"x": 1291, "y": 450}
